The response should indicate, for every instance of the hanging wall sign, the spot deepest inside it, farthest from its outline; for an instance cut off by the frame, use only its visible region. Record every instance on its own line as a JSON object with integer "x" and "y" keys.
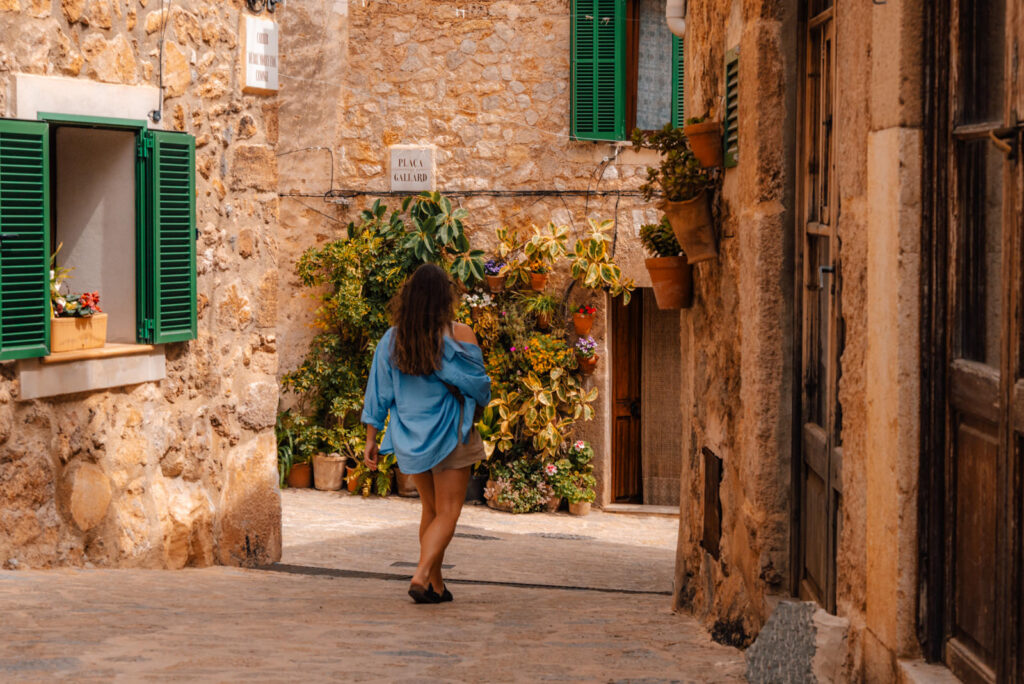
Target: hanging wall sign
{"x": 259, "y": 55}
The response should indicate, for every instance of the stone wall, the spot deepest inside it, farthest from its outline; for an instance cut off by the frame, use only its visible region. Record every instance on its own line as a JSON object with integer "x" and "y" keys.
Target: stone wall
{"x": 488, "y": 84}
{"x": 181, "y": 471}
{"x": 739, "y": 353}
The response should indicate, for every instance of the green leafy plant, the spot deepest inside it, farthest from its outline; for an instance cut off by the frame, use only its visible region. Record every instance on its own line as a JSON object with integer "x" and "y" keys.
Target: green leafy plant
{"x": 696, "y": 120}
{"x": 546, "y": 247}
{"x": 593, "y": 266}
{"x": 374, "y": 481}
{"x": 679, "y": 176}
{"x": 659, "y": 240}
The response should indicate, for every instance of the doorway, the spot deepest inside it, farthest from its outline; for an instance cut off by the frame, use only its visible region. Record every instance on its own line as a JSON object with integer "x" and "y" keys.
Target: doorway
{"x": 627, "y": 337}
{"x": 818, "y": 445}
{"x": 972, "y": 380}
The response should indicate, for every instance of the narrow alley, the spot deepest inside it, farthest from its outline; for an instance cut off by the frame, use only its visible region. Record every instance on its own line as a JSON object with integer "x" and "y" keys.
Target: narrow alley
{"x": 547, "y": 596}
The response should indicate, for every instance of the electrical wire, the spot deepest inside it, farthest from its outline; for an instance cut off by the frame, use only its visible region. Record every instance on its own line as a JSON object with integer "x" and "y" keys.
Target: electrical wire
{"x": 158, "y": 113}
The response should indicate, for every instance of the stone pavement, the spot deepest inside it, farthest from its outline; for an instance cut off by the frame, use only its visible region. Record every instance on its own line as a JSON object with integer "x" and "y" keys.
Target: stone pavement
{"x": 538, "y": 597}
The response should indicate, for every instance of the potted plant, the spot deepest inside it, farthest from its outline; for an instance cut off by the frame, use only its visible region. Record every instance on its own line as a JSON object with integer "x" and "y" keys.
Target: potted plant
{"x": 685, "y": 186}
{"x": 593, "y": 266}
{"x": 543, "y": 307}
{"x": 586, "y": 354}
{"x": 543, "y": 250}
{"x": 292, "y": 451}
{"x": 365, "y": 481}
{"x": 705, "y": 138}
{"x": 671, "y": 275}
{"x": 328, "y": 471}
{"x": 583, "y": 320}
{"x": 78, "y": 323}
{"x": 477, "y": 303}
{"x": 582, "y": 494}
{"x": 577, "y": 480}
{"x": 493, "y": 270}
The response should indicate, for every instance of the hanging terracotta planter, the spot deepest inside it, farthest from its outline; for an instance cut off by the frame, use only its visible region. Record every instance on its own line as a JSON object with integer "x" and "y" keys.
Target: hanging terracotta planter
{"x": 582, "y": 324}
{"x": 672, "y": 280}
{"x": 496, "y": 284}
{"x": 538, "y": 281}
{"x": 406, "y": 487}
{"x": 588, "y": 365}
{"x": 693, "y": 226}
{"x": 705, "y": 140}
{"x": 300, "y": 476}
{"x": 328, "y": 471}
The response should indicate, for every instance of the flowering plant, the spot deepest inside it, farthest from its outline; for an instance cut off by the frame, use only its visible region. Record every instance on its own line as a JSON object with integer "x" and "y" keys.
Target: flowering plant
{"x": 77, "y": 306}
{"x": 586, "y": 310}
{"x": 494, "y": 267}
{"x": 586, "y": 347}
{"x": 478, "y": 301}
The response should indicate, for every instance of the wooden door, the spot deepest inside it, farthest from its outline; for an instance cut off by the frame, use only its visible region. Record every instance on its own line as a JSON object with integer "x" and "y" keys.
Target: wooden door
{"x": 627, "y": 345}
{"x": 982, "y": 445}
{"x": 817, "y": 469}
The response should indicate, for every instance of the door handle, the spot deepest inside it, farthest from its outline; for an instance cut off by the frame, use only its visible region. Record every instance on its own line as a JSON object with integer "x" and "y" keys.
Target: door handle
{"x": 822, "y": 270}
{"x": 634, "y": 408}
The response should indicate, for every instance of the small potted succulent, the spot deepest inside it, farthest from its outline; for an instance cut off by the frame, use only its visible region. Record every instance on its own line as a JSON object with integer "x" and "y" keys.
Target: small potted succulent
{"x": 671, "y": 275}
{"x": 685, "y": 186}
{"x": 705, "y": 139}
{"x": 494, "y": 271}
{"x": 583, "y": 320}
{"x": 586, "y": 354}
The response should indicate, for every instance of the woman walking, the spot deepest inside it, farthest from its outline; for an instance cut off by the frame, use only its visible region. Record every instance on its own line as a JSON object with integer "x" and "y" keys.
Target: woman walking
{"x": 428, "y": 374}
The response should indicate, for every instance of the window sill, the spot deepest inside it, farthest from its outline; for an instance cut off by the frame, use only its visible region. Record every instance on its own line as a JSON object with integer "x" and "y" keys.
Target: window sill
{"x": 104, "y": 352}
{"x": 115, "y": 365}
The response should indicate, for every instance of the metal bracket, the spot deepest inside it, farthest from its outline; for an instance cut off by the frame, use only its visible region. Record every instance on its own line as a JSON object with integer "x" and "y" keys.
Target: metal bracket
{"x": 822, "y": 270}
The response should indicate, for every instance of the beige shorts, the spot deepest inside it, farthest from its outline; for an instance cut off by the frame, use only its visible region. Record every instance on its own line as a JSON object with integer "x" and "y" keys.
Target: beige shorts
{"x": 463, "y": 455}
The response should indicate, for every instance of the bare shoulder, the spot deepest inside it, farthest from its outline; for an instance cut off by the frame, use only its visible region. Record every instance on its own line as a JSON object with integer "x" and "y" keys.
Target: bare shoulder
{"x": 463, "y": 333}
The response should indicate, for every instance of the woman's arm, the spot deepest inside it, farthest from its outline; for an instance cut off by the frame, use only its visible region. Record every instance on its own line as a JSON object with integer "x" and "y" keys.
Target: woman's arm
{"x": 379, "y": 398}
{"x": 370, "y": 451}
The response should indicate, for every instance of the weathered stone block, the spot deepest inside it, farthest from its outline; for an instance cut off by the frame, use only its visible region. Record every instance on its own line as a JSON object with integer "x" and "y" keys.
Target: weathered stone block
{"x": 254, "y": 167}
{"x": 87, "y": 491}
{"x": 799, "y": 643}
{"x": 258, "y": 409}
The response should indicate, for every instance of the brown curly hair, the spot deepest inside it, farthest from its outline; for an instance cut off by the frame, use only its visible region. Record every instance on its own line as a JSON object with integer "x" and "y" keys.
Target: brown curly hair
{"x": 421, "y": 313}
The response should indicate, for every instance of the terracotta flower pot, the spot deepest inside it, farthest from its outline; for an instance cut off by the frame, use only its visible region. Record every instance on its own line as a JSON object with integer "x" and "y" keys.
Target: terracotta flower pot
{"x": 406, "y": 486}
{"x": 351, "y": 480}
{"x": 582, "y": 324}
{"x": 543, "y": 321}
{"x": 672, "y": 280}
{"x": 328, "y": 471}
{"x": 492, "y": 502}
{"x": 588, "y": 365}
{"x": 581, "y": 508}
{"x": 538, "y": 281}
{"x": 706, "y": 142}
{"x": 552, "y": 504}
{"x": 693, "y": 226}
{"x": 300, "y": 476}
{"x": 496, "y": 283}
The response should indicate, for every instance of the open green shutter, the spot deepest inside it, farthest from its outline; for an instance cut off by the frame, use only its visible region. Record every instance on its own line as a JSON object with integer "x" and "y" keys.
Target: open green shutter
{"x": 598, "y": 69}
{"x": 172, "y": 237}
{"x": 678, "y": 90}
{"x": 24, "y": 239}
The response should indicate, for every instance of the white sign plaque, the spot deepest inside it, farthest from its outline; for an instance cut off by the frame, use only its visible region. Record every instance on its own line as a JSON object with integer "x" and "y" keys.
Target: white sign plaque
{"x": 412, "y": 168}
{"x": 260, "y": 55}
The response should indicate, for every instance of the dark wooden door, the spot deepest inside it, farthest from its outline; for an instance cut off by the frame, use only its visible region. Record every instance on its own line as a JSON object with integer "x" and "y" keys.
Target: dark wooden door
{"x": 627, "y": 347}
{"x": 817, "y": 470}
{"x": 982, "y": 435}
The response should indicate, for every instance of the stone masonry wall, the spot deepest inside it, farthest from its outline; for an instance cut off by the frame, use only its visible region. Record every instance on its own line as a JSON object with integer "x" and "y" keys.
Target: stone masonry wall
{"x": 488, "y": 84}
{"x": 183, "y": 471}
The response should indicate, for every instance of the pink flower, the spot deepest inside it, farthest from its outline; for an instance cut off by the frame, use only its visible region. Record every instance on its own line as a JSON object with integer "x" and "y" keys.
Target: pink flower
{"x": 550, "y": 469}
{"x": 513, "y": 349}
{"x": 580, "y": 444}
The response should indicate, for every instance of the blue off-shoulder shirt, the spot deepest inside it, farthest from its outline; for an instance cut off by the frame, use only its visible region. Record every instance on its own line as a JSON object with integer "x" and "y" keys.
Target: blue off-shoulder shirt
{"x": 424, "y": 426}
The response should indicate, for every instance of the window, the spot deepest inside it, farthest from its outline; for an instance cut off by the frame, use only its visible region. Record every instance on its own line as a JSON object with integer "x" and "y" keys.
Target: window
{"x": 121, "y": 200}
{"x": 627, "y": 69}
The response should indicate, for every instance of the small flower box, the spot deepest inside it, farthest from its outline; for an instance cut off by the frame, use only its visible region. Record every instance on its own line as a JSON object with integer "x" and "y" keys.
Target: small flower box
{"x": 76, "y": 333}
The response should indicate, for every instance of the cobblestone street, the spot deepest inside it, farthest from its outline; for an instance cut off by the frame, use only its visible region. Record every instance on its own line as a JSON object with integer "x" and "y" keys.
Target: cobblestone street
{"x": 527, "y": 607}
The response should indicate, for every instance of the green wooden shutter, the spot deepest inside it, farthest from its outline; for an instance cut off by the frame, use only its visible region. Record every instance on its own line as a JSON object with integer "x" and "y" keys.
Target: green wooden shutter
{"x": 598, "y": 70}
{"x": 678, "y": 90}
{"x": 24, "y": 239}
{"x": 170, "y": 281}
{"x": 731, "y": 124}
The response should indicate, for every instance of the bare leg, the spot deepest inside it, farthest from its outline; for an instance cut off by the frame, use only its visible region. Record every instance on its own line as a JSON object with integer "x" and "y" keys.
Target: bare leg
{"x": 425, "y": 486}
{"x": 450, "y": 493}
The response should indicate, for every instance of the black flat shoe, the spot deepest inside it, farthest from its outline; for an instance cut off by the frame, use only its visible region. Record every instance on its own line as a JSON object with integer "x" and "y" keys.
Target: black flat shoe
{"x": 424, "y": 594}
{"x": 446, "y": 596}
